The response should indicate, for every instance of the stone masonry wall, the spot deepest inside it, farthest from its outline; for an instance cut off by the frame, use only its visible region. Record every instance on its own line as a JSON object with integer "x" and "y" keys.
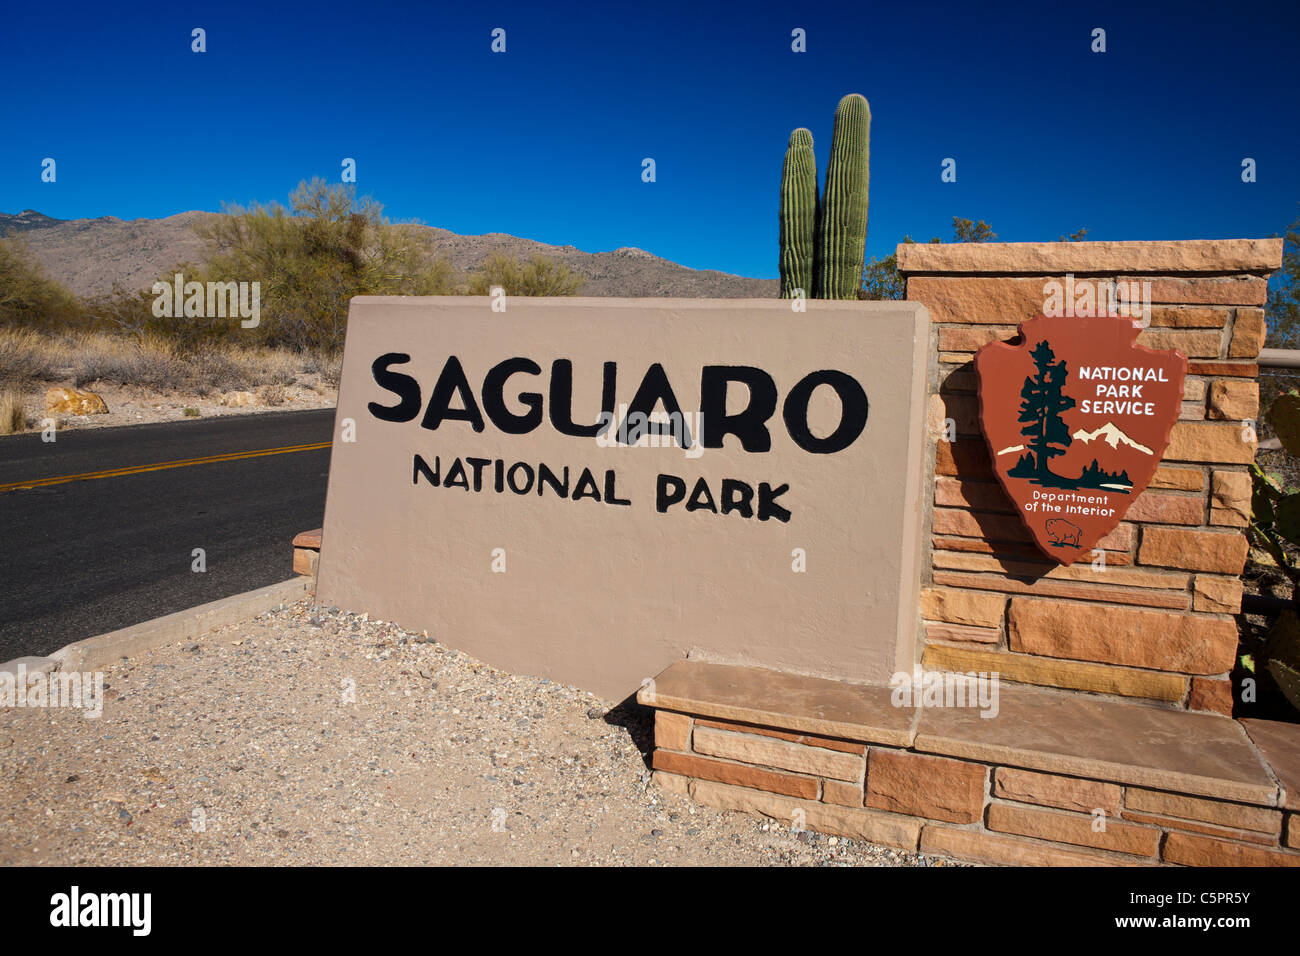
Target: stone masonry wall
{"x": 967, "y": 809}
{"x": 1156, "y": 621}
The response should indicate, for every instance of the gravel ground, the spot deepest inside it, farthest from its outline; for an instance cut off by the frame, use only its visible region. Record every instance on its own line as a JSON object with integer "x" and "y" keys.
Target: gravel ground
{"x": 243, "y": 749}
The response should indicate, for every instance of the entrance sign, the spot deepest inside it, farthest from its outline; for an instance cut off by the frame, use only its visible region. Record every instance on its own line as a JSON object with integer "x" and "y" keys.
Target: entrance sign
{"x": 589, "y": 489}
{"x": 1076, "y": 416}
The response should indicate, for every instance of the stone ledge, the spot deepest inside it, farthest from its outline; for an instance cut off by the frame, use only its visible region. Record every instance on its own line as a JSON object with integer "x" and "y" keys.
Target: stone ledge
{"x": 1049, "y": 258}
{"x": 1005, "y": 850}
{"x": 875, "y": 826}
{"x": 1116, "y": 741}
{"x": 792, "y": 702}
{"x": 1052, "y": 731}
{"x": 308, "y": 539}
{"x": 1279, "y": 744}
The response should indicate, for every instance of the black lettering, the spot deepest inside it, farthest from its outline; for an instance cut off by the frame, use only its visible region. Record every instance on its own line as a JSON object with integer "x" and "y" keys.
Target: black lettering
{"x": 586, "y": 487}
{"x": 736, "y": 496}
{"x": 701, "y": 498}
{"x": 750, "y": 423}
{"x": 494, "y": 403}
{"x": 654, "y": 388}
{"x": 669, "y": 489}
{"x": 562, "y": 400}
{"x": 477, "y": 464}
{"x": 422, "y": 468}
{"x": 456, "y": 477}
{"x": 405, "y": 387}
{"x": 767, "y": 506}
{"x": 853, "y": 413}
{"x": 452, "y": 381}
{"x": 611, "y": 497}
{"x": 547, "y": 477}
{"x": 510, "y": 477}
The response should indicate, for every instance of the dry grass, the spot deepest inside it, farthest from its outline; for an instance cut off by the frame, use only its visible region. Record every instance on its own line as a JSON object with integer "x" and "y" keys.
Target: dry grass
{"x": 272, "y": 395}
{"x": 12, "y": 416}
{"x": 28, "y": 357}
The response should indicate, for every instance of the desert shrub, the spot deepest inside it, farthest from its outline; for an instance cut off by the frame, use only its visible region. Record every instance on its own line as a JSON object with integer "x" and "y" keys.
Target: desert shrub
{"x": 12, "y": 417}
{"x": 327, "y": 366}
{"x": 28, "y": 297}
{"x": 273, "y": 395}
{"x": 276, "y": 367}
{"x": 116, "y": 360}
{"x": 221, "y": 369}
{"x": 123, "y": 311}
{"x": 310, "y": 259}
{"x": 191, "y": 412}
{"x": 27, "y": 357}
{"x": 538, "y": 276}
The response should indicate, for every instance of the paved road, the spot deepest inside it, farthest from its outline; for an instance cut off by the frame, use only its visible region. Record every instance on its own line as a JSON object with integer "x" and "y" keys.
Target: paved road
{"x": 83, "y": 557}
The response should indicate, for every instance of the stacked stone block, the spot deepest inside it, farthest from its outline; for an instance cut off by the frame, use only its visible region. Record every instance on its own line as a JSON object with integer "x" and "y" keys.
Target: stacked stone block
{"x": 1151, "y": 616}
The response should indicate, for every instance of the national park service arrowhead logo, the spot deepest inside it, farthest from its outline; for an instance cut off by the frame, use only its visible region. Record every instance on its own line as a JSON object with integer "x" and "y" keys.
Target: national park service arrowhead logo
{"x": 1076, "y": 416}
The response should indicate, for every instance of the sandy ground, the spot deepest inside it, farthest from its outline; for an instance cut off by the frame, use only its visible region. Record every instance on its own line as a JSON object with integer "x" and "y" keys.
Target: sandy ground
{"x": 129, "y": 405}
{"x": 246, "y": 749}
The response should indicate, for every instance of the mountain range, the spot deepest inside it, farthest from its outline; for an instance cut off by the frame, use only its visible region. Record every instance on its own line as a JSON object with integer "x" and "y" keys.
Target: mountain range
{"x": 1112, "y": 435}
{"x": 90, "y": 255}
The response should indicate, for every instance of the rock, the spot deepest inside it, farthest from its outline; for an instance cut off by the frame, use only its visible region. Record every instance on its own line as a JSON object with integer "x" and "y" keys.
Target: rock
{"x": 1189, "y": 643}
{"x": 74, "y": 401}
{"x": 1248, "y": 334}
{"x": 1210, "y": 442}
{"x": 1194, "y": 550}
{"x": 238, "y": 399}
{"x": 1049, "y": 258}
{"x": 962, "y": 606}
{"x": 1234, "y": 400}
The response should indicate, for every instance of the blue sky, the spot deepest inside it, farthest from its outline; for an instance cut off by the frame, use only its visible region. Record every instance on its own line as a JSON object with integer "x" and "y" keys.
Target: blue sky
{"x": 1144, "y": 141}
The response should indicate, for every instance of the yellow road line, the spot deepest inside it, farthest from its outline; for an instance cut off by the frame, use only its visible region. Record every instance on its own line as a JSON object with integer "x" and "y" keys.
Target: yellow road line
{"x": 163, "y": 465}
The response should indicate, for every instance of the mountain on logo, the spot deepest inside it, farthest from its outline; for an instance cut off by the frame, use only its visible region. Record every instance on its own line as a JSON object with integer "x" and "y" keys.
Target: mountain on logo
{"x": 1112, "y": 435}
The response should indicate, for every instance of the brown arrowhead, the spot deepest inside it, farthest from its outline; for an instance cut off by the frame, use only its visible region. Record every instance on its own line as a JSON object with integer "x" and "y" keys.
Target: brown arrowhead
{"x": 1076, "y": 416}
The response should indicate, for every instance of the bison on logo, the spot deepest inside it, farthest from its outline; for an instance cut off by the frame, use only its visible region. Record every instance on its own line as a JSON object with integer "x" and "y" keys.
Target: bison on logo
{"x": 1076, "y": 416}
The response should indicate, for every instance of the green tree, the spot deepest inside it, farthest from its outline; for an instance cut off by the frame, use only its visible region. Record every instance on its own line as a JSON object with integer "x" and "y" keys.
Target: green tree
{"x": 880, "y": 278}
{"x": 538, "y": 276}
{"x": 29, "y": 297}
{"x": 963, "y": 230}
{"x": 310, "y": 260}
{"x": 1284, "y": 296}
{"x": 1042, "y": 401}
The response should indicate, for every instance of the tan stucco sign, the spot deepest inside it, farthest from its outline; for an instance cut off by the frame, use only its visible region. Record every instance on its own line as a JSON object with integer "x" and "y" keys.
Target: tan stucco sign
{"x": 589, "y": 489}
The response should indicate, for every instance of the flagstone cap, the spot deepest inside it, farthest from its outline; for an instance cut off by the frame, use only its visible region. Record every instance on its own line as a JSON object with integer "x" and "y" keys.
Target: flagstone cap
{"x": 1052, "y": 258}
{"x": 756, "y": 695}
{"x": 1150, "y": 746}
{"x": 1280, "y": 744}
{"x": 1054, "y": 731}
{"x": 308, "y": 539}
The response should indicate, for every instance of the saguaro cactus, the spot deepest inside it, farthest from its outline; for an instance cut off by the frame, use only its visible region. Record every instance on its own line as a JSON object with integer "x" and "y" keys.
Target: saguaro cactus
{"x": 842, "y": 229}
{"x": 798, "y": 214}
{"x": 832, "y": 230}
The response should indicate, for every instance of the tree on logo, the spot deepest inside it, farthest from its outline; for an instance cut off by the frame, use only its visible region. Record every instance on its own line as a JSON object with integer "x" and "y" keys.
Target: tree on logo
{"x": 1042, "y": 402}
